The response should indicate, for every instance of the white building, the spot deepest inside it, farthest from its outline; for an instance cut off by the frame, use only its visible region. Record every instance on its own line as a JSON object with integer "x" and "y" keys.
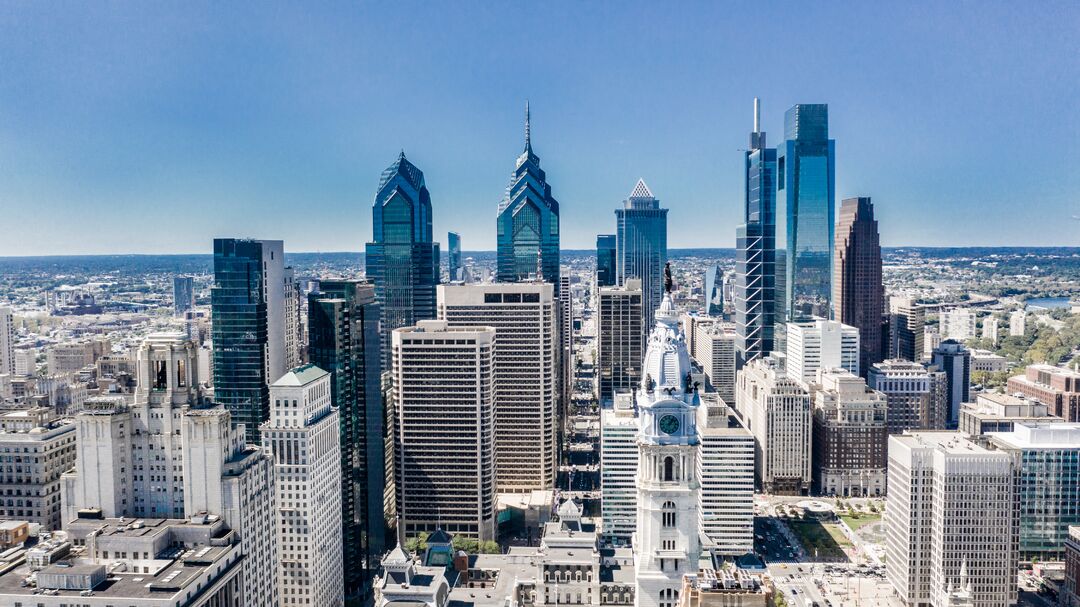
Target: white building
{"x": 715, "y": 352}
{"x": 987, "y": 361}
{"x": 726, "y": 473}
{"x": 618, "y": 468}
{"x": 26, "y": 362}
{"x": 990, "y": 329}
{"x": 818, "y": 344}
{"x": 526, "y": 374}
{"x": 303, "y": 435}
{"x": 45, "y": 448}
{"x": 958, "y": 324}
{"x": 776, "y": 408}
{"x": 1017, "y": 323}
{"x": 444, "y": 428}
{"x": 951, "y": 510}
{"x": 7, "y": 342}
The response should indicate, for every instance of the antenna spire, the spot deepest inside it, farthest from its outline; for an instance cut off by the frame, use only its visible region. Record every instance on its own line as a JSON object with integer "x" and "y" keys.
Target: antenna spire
{"x": 757, "y": 115}
{"x": 528, "y": 130}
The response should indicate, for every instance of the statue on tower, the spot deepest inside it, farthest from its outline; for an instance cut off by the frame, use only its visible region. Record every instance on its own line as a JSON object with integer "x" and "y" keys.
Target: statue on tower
{"x": 667, "y": 277}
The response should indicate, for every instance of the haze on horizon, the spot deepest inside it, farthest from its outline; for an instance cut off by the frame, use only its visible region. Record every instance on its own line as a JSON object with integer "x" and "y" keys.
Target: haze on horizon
{"x": 139, "y": 128}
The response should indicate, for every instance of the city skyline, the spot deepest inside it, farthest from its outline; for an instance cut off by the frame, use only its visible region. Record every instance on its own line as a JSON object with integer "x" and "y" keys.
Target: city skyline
{"x": 238, "y": 133}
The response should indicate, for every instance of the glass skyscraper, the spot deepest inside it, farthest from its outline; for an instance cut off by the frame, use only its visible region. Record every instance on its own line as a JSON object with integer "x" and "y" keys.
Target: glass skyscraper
{"x": 402, "y": 260}
{"x": 755, "y": 252}
{"x": 714, "y": 292}
{"x": 641, "y": 240}
{"x": 806, "y": 183}
{"x": 605, "y": 260}
{"x": 453, "y": 258}
{"x": 343, "y": 339}
{"x": 528, "y": 222}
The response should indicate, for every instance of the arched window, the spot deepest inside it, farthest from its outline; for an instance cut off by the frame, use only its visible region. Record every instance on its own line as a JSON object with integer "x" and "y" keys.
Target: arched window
{"x": 669, "y": 468}
{"x": 668, "y": 512}
{"x": 669, "y": 597}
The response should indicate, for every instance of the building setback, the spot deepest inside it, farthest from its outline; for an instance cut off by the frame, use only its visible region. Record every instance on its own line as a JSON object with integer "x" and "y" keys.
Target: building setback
{"x": 858, "y": 293}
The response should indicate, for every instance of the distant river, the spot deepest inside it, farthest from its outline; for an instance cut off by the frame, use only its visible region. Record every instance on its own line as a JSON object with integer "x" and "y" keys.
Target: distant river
{"x": 1047, "y": 303}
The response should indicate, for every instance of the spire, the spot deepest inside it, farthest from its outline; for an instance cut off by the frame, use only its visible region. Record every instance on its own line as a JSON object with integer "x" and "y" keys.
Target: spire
{"x": 528, "y": 134}
{"x": 401, "y": 156}
{"x": 963, "y": 574}
{"x": 757, "y": 115}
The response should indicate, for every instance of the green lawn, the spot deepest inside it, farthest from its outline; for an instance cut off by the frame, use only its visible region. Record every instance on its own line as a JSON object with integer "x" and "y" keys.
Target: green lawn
{"x": 826, "y": 538}
{"x": 860, "y": 522}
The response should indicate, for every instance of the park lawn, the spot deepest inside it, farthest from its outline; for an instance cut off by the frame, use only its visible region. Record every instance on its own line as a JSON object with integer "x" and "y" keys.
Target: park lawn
{"x": 863, "y": 520}
{"x": 827, "y": 539}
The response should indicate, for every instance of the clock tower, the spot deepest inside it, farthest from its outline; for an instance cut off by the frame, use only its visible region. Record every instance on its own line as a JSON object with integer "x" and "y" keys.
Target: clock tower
{"x": 667, "y": 543}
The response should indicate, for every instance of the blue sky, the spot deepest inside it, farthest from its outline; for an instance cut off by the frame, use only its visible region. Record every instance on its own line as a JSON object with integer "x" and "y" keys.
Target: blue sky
{"x": 155, "y": 127}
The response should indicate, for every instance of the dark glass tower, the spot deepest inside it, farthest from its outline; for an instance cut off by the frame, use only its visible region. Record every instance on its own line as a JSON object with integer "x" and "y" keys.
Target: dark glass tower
{"x": 248, "y": 310}
{"x": 453, "y": 258}
{"x": 641, "y": 235}
{"x": 755, "y": 254}
{"x": 858, "y": 294}
{"x": 402, "y": 260}
{"x": 605, "y": 260}
{"x": 714, "y": 292}
{"x": 528, "y": 222}
{"x": 343, "y": 339}
{"x": 805, "y": 181}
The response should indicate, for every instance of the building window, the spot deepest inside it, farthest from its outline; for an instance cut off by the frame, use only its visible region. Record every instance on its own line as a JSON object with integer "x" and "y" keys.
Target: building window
{"x": 669, "y": 468}
{"x": 668, "y": 514}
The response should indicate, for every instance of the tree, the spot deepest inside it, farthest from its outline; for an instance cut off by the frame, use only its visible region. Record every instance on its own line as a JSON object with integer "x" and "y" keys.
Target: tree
{"x": 417, "y": 543}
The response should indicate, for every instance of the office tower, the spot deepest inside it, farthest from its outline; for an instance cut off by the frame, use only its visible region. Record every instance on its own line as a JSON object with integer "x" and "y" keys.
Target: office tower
{"x": 858, "y": 294}
{"x": 7, "y": 342}
{"x": 950, "y": 514}
{"x": 453, "y": 256}
{"x": 528, "y": 222}
{"x": 47, "y": 448}
{"x": 805, "y": 168}
{"x": 756, "y": 266}
{"x": 1018, "y": 323}
{"x": 1046, "y": 457}
{"x": 715, "y": 348}
{"x": 618, "y": 469}
{"x": 777, "y": 409}
{"x": 26, "y": 362}
{"x": 523, "y": 316}
{"x": 302, "y": 434}
{"x": 183, "y": 294}
{"x": 726, "y": 473}
{"x": 402, "y": 259}
{"x": 1070, "y": 592}
{"x": 73, "y": 356}
{"x": 906, "y": 322}
{"x": 444, "y": 399}
{"x": 958, "y": 324}
{"x": 850, "y": 435}
{"x": 566, "y": 357}
{"x": 690, "y": 324}
{"x": 294, "y": 332}
{"x": 620, "y": 342}
{"x": 713, "y": 304}
{"x": 1056, "y": 387}
{"x": 606, "y": 264}
{"x": 248, "y": 309}
{"x": 917, "y": 396}
{"x": 667, "y": 538}
{"x": 955, "y": 360}
{"x": 343, "y": 339}
{"x": 816, "y": 343}
{"x": 641, "y": 236}
{"x": 990, "y": 330}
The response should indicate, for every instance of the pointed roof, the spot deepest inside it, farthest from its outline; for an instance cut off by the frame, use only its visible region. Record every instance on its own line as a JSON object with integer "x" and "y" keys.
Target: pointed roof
{"x": 397, "y": 556}
{"x": 408, "y": 170}
{"x": 569, "y": 510}
{"x": 528, "y": 130}
{"x": 641, "y": 190}
{"x": 439, "y": 537}
{"x": 300, "y": 376}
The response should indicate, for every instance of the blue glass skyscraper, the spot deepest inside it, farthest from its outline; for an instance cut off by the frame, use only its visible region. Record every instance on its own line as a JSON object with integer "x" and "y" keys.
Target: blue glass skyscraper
{"x": 755, "y": 252}
{"x": 605, "y": 260}
{"x": 641, "y": 239}
{"x": 453, "y": 257}
{"x": 528, "y": 222}
{"x": 714, "y": 292}
{"x": 806, "y": 183}
{"x": 402, "y": 260}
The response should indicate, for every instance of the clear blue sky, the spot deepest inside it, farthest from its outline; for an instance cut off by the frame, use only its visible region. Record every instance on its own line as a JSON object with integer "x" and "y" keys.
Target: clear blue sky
{"x": 154, "y": 127}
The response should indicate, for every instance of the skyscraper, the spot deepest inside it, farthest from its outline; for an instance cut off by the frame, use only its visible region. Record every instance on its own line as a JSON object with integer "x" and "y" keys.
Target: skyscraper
{"x": 641, "y": 240}
{"x": 183, "y": 294}
{"x": 816, "y": 343}
{"x": 248, "y": 311}
{"x": 528, "y": 222}
{"x": 294, "y": 347}
{"x": 805, "y": 166}
{"x": 402, "y": 260}
{"x": 606, "y": 264}
{"x": 343, "y": 339}
{"x": 619, "y": 339}
{"x": 858, "y": 294}
{"x": 453, "y": 258}
{"x": 7, "y": 341}
{"x": 906, "y": 324}
{"x": 850, "y": 435}
{"x": 953, "y": 358}
{"x": 917, "y": 396}
{"x": 714, "y": 292}
{"x": 755, "y": 254}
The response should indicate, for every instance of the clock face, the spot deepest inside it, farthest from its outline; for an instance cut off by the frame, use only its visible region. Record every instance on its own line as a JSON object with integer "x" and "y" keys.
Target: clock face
{"x": 669, "y": 424}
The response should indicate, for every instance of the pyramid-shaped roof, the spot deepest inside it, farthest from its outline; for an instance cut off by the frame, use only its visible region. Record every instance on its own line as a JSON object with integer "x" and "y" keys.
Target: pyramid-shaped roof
{"x": 641, "y": 190}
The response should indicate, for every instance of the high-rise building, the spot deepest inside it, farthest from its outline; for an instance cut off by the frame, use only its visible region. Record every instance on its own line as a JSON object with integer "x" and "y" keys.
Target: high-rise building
{"x": 302, "y": 433}
{"x": 294, "y": 332}
{"x": 343, "y": 339}
{"x": 805, "y": 177}
{"x": 641, "y": 235}
{"x": 7, "y": 342}
{"x": 906, "y": 322}
{"x": 777, "y": 409}
{"x": 955, "y": 360}
{"x": 1070, "y": 592}
{"x": 444, "y": 399}
{"x": 528, "y": 222}
{"x": 1046, "y": 457}
{"x": 606, "y": 264}
{"x": 183, "y": 294}
{"x": 850, "y": 435}
{"x": 990, "y": 330}
{"x": 619, "y": 338}
{"x": 402, "y": 259}
{"x": 858, "y": 294}
{"x": 565, "y": 359}
{"x": 1056, "y": 387}
{"x": 618, "y": 469}
{"x": 453, "y": 256}
{"x": 917, "y": 396}
{"x": 46, "y": 445}
{"x": 816, "y": 343}
{"x": 248, "y": 310}
{"x": 523, "y": 316}
{"x": 726, "y": 473}
{"x": 1018, "y": 323}
{"x": 713, "y": 303}
{"x": 950, "y": 519}
{"x": 958, "y": 324}
{"x": 755, "y": 252}
{"x": 715, "y": 349}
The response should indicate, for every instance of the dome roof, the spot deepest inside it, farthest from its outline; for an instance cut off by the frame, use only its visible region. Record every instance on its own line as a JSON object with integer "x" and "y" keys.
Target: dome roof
{"x": 667, "y": 361}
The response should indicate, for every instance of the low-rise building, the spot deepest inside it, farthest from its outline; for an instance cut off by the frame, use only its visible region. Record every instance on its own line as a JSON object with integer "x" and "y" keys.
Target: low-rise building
{"x": 994, "y": 412}
{"x": 988, "y": 362}
{"x": 1056, "y": 387}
